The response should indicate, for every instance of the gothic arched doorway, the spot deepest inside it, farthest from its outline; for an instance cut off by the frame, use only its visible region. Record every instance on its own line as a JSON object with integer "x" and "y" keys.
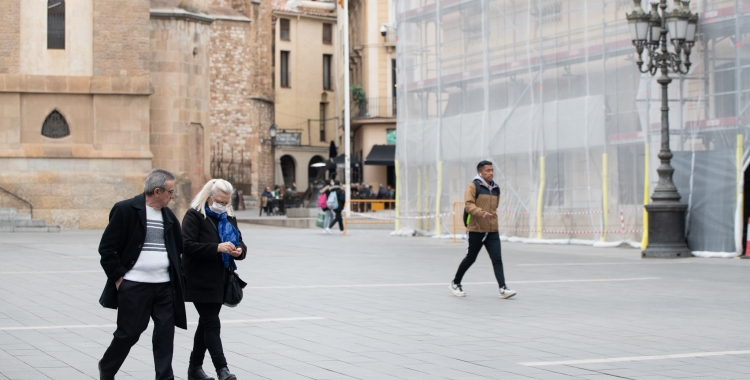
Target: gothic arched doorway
{"x": 312, "y": 171}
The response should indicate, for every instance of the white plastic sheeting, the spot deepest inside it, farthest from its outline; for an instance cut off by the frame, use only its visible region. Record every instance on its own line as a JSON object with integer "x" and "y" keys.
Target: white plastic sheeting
{"x": 548, "y": 90}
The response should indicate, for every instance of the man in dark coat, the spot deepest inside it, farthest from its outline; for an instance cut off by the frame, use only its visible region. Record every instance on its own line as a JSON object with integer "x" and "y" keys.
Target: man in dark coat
{"x": 140, "y": 251}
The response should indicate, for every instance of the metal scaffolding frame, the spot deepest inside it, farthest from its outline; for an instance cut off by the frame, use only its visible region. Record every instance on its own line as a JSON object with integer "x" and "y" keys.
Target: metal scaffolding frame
{"x": 512, "y": 81}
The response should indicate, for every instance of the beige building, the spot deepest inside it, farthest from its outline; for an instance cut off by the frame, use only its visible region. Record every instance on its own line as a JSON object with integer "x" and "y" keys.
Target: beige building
{"x": 372, "y": 67}
{"x": 95, "y": 93}
{"x": 305, "y": 89}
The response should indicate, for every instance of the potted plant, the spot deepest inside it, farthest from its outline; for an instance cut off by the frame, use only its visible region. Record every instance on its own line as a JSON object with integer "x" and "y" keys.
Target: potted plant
{"x": 360, "y": 99}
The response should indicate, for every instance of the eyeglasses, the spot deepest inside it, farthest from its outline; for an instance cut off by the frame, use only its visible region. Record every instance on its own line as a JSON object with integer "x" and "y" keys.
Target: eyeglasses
{"x": 170, "y": 192}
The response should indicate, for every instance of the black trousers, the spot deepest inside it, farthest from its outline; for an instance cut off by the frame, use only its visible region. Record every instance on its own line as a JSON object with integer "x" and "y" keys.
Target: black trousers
{"x": 337, "y": 219}
{"x": 491, "y": 241}
{"x": 207, "y": 336}
{"x": 137, "y": 301}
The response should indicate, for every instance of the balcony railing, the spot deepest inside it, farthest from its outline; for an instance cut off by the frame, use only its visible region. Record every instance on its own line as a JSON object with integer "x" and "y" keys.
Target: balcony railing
{"x": 375, "y": 107}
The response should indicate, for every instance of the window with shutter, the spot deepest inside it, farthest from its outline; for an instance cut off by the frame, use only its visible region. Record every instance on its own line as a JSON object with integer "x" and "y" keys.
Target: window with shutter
{"x": 327, "y": 58}
{"x": 327, "y": 34}
{"x": 284, "y": 29}
{"x": 284, "y": 69}
{"x": 55, "y": 24}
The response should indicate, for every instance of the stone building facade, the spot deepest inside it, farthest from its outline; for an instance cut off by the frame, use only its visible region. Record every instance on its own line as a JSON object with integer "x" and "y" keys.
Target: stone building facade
{"x": 304, "y": 72}
{"x": 132, "y": 89}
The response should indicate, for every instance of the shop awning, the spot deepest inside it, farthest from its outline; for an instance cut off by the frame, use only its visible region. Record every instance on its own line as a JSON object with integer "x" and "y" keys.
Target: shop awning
{"x": 381, "y": 155}
{"x": 341, "y": 159}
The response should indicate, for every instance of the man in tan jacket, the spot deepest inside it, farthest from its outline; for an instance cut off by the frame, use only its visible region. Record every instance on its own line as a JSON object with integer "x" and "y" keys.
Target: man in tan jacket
{"x": 482, "y": 197}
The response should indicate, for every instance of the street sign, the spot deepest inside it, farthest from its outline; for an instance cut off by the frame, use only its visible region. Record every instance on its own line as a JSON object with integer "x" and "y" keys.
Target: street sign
{"x": 288, "y": 139}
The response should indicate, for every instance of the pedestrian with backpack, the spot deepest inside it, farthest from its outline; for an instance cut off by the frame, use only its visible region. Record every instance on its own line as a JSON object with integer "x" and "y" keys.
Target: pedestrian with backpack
{"x": 323, "y": 205}
{"x": 335, "y": 202}
{"x": 482, "y": 197}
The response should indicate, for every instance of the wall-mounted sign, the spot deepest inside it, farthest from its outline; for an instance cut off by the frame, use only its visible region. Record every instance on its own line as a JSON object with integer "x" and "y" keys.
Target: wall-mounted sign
{"x": 289, "y": 139}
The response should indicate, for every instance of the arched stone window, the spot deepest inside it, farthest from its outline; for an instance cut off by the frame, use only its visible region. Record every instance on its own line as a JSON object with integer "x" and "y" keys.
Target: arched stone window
{"x": 55, "y": 24}
{"x": 55, "y": 126}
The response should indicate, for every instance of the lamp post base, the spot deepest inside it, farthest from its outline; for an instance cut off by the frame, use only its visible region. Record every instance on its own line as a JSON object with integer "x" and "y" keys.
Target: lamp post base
{"x": 666, "y": 231}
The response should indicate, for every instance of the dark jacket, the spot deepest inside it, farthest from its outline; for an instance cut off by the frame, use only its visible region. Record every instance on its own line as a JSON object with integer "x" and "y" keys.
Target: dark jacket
{"x": 205, "y": 273}
{"x": 340, "y": 197}
{"x": 121, "y": 245}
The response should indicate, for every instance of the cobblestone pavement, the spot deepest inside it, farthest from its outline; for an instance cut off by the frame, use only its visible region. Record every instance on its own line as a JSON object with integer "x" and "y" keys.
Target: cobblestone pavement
{"x": 373, "y": 306}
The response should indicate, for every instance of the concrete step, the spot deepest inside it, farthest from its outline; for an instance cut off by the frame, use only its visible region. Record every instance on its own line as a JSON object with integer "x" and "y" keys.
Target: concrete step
{"x": 302, "y": 212}
{"x": 29, "y": 228}
{"x": 25, "y": 222}
{"x": 12, "y": 221}
{"x": 308, "y": 223}
{"x": 281, "y": 222}
{"x": 15, "y": 217}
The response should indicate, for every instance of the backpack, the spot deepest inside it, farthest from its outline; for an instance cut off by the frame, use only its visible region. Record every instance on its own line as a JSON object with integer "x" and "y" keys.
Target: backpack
{"x": 467, "y": 216}
{"x": 332, "y": 201}
{"x": 322, "y": 199}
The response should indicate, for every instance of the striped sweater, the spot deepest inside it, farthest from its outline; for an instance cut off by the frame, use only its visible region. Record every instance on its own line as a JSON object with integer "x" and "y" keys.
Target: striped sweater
{"x": 153, "y": 263}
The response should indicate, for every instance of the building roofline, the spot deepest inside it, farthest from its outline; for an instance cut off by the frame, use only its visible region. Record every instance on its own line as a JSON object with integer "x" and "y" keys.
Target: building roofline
{"x": 304, "y": 14}
{"x": 177, "y": 13}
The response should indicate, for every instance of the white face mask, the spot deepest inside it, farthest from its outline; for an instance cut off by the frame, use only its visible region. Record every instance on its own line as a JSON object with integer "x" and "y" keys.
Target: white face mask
{"x": 217, "y": 208}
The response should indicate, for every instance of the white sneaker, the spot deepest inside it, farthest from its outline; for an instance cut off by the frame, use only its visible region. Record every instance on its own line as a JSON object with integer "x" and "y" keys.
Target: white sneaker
{"x": 457, "y": 290}
{"x": 506, "y": 293}
{"x": 328, "y": 231}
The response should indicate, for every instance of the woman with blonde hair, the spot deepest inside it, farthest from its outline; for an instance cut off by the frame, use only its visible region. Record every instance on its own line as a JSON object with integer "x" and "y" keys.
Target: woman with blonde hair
{"x": 212, "y": 242}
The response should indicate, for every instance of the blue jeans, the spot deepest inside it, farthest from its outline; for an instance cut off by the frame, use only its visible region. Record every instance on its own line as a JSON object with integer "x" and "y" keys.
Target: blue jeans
{"x": 327, "y": 220}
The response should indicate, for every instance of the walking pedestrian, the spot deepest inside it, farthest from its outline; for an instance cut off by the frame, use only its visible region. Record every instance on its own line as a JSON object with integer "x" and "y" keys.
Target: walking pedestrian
{"x": 212, "y": 242}
{"x": 323, "y": 204}
{"x": 336, "y": 194}
{"x": 482, "y": 197}
{"x": 140, "y": 250}
{"x": 241, "y": 196}
{"x": 266, "y": 201}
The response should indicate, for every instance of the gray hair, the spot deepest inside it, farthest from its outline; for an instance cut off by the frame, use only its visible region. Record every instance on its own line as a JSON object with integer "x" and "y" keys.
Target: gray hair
{"x": 157, "y": 179}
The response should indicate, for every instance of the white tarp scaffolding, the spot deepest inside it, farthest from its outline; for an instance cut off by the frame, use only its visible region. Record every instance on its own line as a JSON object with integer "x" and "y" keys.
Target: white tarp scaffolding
{"x": 549, "y": 91}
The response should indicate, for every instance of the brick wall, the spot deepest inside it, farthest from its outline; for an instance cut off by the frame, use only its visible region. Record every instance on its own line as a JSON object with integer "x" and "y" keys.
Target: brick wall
{"x": 262, "y": 39}
{"x": 121, "y": 38}
{"x": 230, "y": 115}
{"x": 241, "y": 92}
{"x": 263, "y": 156}
{"x": 10, "y": 36}
{"x": 262, "y": 87}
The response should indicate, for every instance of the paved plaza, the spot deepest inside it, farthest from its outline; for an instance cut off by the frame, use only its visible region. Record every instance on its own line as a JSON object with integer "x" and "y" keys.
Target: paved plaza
{"x": 375, "y": 306}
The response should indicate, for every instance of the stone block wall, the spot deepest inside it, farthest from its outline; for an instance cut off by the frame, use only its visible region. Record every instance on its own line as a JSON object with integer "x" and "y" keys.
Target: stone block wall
{"x": 10, "y": 36}
{"x": 121, "y": 38}
{"x": 73, "y": 181}
{"x": 231, "y": 114}
{"x": 262, "y": 40}
{"x": 263, "y": 156}
{"x": 180, "y": 102}
{"x": 241, "y": 88}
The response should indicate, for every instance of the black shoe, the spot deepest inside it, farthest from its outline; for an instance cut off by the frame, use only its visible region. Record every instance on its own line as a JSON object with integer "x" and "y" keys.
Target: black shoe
{"x": 224, "y": 374}
{"x": 196, "y": 373}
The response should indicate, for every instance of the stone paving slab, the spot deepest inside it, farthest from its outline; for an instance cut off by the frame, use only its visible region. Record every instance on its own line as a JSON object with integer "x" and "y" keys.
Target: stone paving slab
{"x": 374, "y": 306}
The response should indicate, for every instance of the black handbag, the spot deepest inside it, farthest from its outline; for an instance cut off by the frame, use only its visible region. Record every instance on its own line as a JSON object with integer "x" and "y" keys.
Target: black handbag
{"x": 233, "y": 289}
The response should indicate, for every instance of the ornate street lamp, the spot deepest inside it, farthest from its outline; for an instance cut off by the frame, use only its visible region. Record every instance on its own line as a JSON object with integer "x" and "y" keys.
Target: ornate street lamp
{"x": 666, "y": 215}
{"x": 272, "y": 133}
